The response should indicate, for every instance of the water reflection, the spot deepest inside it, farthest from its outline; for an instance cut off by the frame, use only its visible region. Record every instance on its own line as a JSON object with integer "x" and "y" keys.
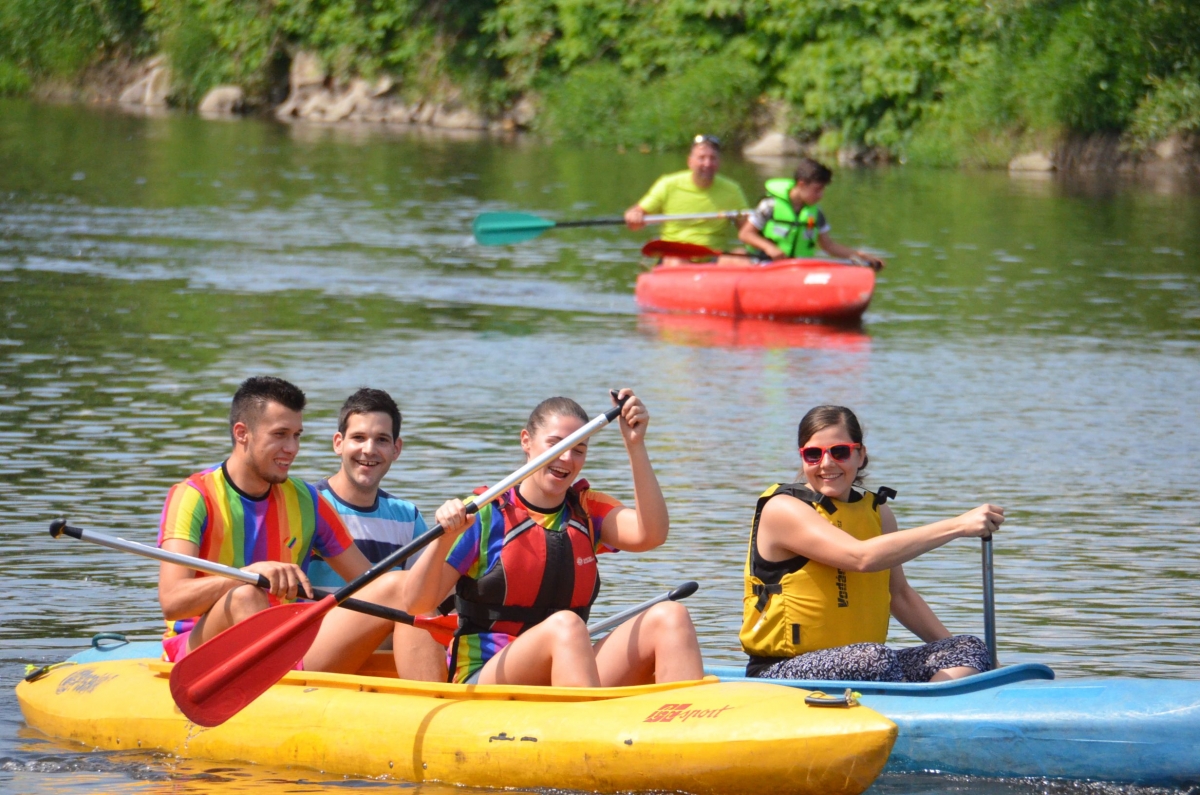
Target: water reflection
{"x": 1036, "y": 347}
{"x": 714, "y": 331}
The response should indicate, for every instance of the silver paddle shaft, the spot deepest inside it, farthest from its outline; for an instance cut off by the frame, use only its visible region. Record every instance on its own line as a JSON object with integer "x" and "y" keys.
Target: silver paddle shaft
{"x": 187, "y": 561}
{"x": 723, "y": 215}
{"x": 989, "y": 603}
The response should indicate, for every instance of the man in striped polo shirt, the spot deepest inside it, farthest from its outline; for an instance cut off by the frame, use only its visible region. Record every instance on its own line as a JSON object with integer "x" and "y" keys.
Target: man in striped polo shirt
{"x": 368, "y": 442}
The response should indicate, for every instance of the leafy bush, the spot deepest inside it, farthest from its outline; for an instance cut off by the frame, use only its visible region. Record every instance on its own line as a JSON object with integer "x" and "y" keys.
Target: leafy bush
{"x": 603, "y": 104}
{"x": 1172, "y": 106}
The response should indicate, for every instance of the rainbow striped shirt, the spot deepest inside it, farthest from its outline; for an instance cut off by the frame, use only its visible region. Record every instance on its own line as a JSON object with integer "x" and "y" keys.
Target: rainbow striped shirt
{"x": 477, "y": 551}
{"x": 237, "y": 530}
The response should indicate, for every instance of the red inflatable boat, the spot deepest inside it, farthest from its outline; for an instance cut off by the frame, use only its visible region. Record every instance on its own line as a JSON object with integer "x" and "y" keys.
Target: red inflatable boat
{"x": 785, "y": 289}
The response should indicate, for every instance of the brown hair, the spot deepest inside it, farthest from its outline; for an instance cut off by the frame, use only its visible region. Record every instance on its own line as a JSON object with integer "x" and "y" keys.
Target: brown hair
{"x": 810, "y": 170}
{"x": 554, "y": 407}
{"x": 821, "y": 417}
{"x": 367, "y": 401}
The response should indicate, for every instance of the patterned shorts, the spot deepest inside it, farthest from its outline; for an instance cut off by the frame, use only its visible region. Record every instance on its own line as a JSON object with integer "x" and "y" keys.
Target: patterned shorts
{"x": 874, "y": 662}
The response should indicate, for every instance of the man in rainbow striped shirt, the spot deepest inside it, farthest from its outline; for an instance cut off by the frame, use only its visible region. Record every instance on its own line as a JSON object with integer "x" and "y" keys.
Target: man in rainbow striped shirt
{"x": 247, "y": 512}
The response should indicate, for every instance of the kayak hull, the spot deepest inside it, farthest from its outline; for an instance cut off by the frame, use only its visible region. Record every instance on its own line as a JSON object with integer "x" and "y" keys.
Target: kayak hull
{"x": 1018, "y": 721}
{"x": 702, "y": 737}
{"x": 791, "y": 289}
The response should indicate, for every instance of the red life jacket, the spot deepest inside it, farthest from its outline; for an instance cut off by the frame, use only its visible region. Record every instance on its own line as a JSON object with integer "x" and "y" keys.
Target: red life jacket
{"x": 540, "y": 572}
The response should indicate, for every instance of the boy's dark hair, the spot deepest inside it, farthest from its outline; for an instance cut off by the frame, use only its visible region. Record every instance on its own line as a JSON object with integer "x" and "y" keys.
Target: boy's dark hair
{"x": 810, "y": 170}
{"x": 366, "y": 401}
{"x": 255, "y": 393}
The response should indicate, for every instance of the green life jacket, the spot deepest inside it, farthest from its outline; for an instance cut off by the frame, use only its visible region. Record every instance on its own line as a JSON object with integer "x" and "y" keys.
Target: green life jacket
{"x": 795, "y": 233}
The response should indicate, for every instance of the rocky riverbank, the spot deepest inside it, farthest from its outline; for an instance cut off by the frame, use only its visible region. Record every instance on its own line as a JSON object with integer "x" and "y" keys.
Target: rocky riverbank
{"x": 316, "y": 96}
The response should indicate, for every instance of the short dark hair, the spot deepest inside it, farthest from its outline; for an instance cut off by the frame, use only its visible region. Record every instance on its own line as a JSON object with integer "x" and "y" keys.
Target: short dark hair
{"x": 810, "y": 170}
{"x": 255, "y": 393}
{"x": 366, "y": 401}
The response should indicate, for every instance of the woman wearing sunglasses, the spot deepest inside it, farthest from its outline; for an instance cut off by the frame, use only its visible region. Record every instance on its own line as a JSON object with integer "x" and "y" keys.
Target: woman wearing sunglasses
{"x": 824, "y": 572}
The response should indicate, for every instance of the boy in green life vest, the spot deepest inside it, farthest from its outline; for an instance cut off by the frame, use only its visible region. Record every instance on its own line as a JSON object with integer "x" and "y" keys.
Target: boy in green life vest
{"x": 789, "y": 222}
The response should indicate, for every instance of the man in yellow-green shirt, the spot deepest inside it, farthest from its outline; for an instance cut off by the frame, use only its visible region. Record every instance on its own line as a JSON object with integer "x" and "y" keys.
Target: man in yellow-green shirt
{"x": 697, "y": 190}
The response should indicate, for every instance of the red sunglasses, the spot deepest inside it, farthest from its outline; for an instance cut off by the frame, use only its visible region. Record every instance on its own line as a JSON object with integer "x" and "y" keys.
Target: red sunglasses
{"x": 838, "y": 452}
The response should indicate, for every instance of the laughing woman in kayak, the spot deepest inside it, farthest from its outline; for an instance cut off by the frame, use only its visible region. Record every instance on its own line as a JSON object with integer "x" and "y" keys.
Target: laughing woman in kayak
{"x": 824, "y": 572}
{"x": 524, "y": 571}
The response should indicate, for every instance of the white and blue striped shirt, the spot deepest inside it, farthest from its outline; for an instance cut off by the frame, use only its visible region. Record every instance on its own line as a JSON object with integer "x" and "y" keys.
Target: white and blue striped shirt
{"x": 378, "y": 531}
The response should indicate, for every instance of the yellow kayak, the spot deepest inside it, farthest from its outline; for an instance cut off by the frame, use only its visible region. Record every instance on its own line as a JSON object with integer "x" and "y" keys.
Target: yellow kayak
{"x": 701, "y": 737}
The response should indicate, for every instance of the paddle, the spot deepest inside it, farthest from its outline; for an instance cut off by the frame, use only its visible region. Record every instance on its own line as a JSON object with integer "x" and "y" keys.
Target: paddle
{"x": 671, "y": 248}
{"x": 682, "y": 592}
{"x": 218, "y": 679}
{"x": 441, "y": 630}
{"x": 989, "y": 603}
{"x": 502, "y": 229}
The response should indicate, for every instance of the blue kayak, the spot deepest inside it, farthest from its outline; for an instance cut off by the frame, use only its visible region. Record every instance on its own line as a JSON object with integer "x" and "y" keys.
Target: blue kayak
{"x": 1019, "y": 721}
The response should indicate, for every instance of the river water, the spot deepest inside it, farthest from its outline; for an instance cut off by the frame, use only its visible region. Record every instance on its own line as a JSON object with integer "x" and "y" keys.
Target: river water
{"x": 1033, "y": 342}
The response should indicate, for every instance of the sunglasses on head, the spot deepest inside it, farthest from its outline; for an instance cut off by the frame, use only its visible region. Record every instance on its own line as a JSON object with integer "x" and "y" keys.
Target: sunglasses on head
{"x": 711, "y": 140}
{"x": 838, "y": 452}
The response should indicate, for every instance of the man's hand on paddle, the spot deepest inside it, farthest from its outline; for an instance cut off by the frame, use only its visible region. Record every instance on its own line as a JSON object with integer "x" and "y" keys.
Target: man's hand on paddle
{"x": 635, "y": 217}
{"x": 287, "y": 579}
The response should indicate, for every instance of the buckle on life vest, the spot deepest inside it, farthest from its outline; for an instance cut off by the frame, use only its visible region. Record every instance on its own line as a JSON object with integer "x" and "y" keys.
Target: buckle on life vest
{"x": 764, "y": 594}
{"x": 883, "y": 494}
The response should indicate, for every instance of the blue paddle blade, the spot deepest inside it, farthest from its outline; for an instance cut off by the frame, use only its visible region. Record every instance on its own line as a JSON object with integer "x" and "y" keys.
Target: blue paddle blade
{"x": 502, "y": 229}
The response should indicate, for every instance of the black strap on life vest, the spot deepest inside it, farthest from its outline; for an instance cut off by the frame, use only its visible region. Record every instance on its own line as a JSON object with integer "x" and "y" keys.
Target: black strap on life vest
{"x": 764, "y": 594}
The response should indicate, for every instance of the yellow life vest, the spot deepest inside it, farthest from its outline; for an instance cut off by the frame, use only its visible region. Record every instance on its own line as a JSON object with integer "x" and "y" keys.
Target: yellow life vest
{"x": 795, "y": 606}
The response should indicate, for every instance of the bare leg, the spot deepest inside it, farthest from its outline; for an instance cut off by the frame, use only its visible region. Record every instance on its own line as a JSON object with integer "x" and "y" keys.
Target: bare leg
{"x": 959, "y": 672}
{"x": 347, "y": 639}
{"x": 237, "y": 605}
{"x": 418, "y": 656}
{"x": 556, "y": 652}
{"x": 657, "y": 646}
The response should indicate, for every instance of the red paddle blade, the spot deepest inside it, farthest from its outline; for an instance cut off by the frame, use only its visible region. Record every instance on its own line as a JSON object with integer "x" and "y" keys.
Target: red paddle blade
{"x": 442, "y": 628}
{"x": 670, "y": 248}
{"x": 217, "y": 680}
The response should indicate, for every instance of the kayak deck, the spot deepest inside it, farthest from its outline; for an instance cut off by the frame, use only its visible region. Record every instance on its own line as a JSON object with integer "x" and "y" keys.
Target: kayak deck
{"x": 703, "y": 737}
{"x": 1020, "y": 721}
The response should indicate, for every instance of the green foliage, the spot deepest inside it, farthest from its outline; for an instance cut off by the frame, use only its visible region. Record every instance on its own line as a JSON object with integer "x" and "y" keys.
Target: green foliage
{"x": 13, "y": 79}
{"x": 602, "y": 104}
{"x": 1172, "y": 106}
{"x": 58, "y": 38}
{"x": 942, "y": 81}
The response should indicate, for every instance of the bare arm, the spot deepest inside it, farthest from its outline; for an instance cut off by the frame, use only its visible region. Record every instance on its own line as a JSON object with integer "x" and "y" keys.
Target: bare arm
{"x": 350, "y": 564}
{"x": 907, "y": 605}
{"x": 432, "y": 577}
{"x": 749, "y": 235}
{"x": 912, "y": 611}
{"x": 791, "y": 527}
{"x": 836, "y": 249}
{"x": 184, "y": 595}
{"x": 646, "y": 525}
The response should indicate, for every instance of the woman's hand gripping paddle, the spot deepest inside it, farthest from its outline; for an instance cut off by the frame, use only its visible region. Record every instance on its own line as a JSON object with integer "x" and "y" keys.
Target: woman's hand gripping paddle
{"x": 217, "y": 680}
{"x": 441, "y": 629}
